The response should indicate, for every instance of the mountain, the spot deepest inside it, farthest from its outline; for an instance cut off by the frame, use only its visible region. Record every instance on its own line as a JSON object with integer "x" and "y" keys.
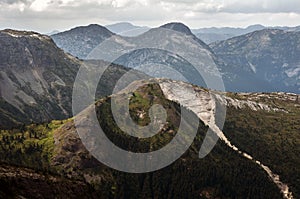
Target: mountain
{"x": 37, "y": 77}
{"x": 160, "y": 52}
{"x": 286, "y": 28}
{"x": 170, "y": 51}
{"x": 127, "y": 29}
{"x": 180, "y": 27}
{"x": 268, "y": 55}
{"x": 82, "y": 40}
{"x": 211, "y": 35}
{"x": 173, "y": 46}
{"x": 264, "y": 148}
{"x": 48, "y": 152}
{"x": 229, "y": 30}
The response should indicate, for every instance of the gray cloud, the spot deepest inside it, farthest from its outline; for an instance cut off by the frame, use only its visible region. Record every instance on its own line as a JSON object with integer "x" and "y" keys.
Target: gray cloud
{"x": 237, "y": 6}
{"x": 15, "y": 2}
{"x": 46, "y": 15}
{"x": 260, "y": 6}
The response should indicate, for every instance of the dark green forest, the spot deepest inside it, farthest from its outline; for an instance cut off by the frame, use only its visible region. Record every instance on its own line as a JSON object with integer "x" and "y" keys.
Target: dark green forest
{"x": 222, "y": 174}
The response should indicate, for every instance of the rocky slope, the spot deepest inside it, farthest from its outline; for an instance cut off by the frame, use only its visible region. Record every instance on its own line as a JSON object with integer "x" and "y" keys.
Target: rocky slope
{"x": 269, "y": 56}
{"x": 80, "y": 41}
{"x": 37, "y": 77}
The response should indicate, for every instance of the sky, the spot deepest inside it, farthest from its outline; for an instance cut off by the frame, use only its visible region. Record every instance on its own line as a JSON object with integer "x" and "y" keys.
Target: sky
{"x": 47, "y": 15}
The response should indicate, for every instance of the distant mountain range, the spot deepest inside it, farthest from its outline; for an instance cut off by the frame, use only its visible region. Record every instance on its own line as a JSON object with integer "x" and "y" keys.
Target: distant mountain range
{"x": 270, "y": 55}
{"x": 211, "y": 35}
{"x": 127, "y": 29}
{"x": 208, "y": 35}
{"x": 238, "y": 75}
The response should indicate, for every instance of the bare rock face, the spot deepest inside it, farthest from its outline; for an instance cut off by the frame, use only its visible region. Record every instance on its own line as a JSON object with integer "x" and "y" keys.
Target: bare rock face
{"x": 203, "y": 104}
{"x": 37, "y": 77}
{"x": 197, "y": 100}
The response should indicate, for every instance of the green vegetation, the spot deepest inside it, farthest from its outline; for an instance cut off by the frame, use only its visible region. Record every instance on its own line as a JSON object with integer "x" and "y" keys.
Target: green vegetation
{"x": 140, "y": 102}
{"x": 30, "y": 146}
{"x": 222, "y": 174}
{"x": 271, "y": 137}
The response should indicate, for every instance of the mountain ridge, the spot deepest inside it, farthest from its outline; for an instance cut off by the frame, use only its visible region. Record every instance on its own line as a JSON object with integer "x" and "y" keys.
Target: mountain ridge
{"x": 83, "y": 39}
{"x": 235, "y": 78}
{"x": 127, "y": 29}
{"x": 70, "y": 158}
{"x": 37, "y": 77}
{"x": 214, "y": 34}
{"x": 267, "y": 54}
{"x": 26, "y": 87}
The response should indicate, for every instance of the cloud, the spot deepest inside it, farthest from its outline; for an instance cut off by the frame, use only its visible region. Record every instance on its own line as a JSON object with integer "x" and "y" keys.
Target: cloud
{"x": 15, "y": 1}
{"x": 46, "y": 15}
{"x": 236, "y": 6}
{"x": 40, "y": 5}
{"x": 262, "y": 6}
{"x": 206, "y": 6}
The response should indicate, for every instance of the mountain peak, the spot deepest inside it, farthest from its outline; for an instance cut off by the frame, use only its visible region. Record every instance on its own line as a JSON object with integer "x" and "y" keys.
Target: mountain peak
{"x": 121, "y": 23}
{"x": 177, "y": 26}
{"x": 256, "y": 27}
{"x": 92, "y": 28}
{"x": 18, "y": 33}
{"x": 80, "y": 41}
{"x": 260, "y": 34}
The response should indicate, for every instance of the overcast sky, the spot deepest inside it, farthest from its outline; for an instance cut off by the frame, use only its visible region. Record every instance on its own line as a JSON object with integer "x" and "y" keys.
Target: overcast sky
{"x": 47, "y": 15}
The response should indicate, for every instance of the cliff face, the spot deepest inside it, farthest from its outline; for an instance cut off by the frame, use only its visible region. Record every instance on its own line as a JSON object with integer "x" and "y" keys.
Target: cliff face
{"x": 37, "y": 77}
